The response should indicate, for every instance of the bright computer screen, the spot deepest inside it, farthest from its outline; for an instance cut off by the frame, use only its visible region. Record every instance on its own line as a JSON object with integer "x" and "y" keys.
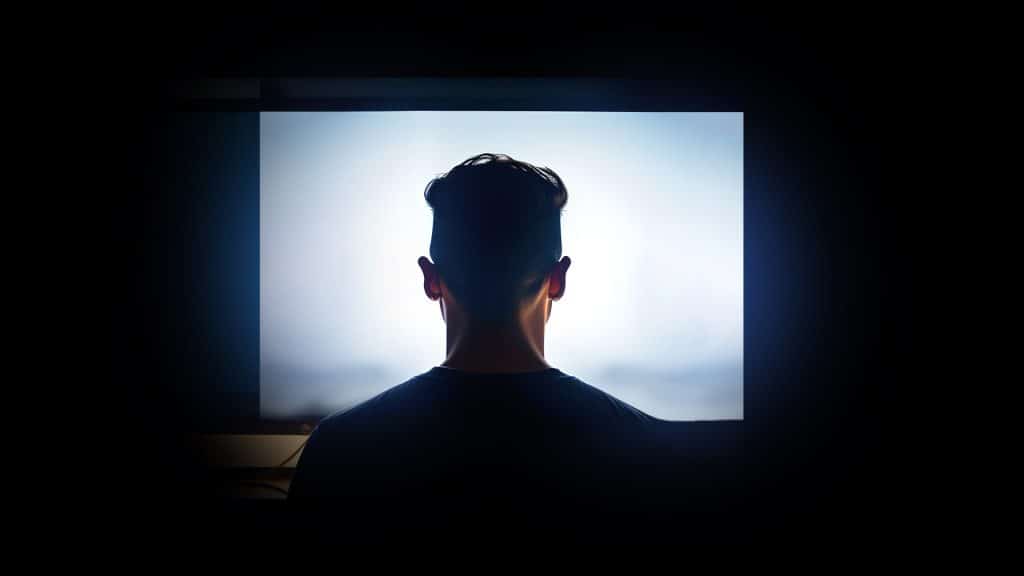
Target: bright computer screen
{"x": 653, "y": 308}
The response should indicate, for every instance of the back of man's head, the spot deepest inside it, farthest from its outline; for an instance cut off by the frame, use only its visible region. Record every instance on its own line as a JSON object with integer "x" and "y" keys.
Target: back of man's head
{"x": 496, "y": 231}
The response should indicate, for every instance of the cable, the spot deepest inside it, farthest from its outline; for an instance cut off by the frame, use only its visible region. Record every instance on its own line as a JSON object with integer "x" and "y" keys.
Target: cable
{"x": 294, "y": 454}
{"x": 265, "y": 485}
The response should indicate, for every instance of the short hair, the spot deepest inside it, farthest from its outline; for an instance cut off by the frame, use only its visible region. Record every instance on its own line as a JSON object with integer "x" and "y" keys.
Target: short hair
{"x": 497, "y": 230}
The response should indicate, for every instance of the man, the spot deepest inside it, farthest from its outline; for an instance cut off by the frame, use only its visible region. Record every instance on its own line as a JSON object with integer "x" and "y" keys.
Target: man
{"x": 494, "y": 437}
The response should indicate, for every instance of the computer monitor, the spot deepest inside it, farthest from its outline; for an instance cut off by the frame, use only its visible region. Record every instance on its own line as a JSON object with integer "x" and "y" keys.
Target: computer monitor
{"x": 653, "y": 312}
{"x": 301, "y": 217}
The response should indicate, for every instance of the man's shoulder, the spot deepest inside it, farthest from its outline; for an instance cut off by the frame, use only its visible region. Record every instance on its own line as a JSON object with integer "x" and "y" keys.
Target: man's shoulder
{"x": 422, "y": 399}
{"x": 621, "y": 409}
{"x": 387, "y": 406}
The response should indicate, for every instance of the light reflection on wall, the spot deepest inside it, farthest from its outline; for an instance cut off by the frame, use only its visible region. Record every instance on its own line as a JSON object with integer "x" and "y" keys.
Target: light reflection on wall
{"x": 653, "y": 311}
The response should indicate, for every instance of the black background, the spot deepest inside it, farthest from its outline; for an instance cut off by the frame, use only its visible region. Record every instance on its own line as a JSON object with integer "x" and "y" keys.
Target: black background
{"x": 822, "y": 334}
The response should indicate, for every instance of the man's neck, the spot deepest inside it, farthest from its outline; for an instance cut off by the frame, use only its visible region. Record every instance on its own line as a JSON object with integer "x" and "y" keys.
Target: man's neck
{"x": 494, "y": 351}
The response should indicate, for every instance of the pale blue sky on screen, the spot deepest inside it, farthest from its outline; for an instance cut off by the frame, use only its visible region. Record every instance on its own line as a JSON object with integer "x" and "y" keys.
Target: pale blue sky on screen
{"x": 653, "y": 309}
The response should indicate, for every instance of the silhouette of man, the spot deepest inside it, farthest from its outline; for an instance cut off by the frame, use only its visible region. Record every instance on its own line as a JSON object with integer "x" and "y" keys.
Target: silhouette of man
{"x": 494, "y": 437}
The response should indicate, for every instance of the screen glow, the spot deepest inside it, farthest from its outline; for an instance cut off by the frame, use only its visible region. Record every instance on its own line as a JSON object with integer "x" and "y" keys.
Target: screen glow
{"x": 653, "y": 308}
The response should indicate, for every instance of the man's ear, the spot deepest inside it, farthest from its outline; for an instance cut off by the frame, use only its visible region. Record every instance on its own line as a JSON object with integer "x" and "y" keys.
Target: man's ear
{"x": 431, "y": 280}
{"x": 556, "y": 283}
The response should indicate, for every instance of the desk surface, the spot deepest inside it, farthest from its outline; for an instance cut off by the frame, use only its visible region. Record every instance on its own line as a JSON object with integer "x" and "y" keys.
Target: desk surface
{"x": 253, "y": 466}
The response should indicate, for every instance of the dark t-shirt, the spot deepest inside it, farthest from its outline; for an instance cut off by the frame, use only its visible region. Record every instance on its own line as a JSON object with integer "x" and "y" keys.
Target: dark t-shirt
{"x": 456, "y": 450}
